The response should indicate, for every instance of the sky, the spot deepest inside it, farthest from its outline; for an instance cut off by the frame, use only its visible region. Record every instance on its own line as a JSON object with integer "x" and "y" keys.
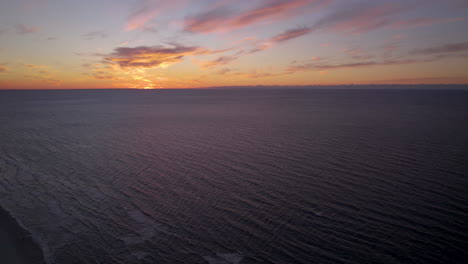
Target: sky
{"x": 69, "y": 44}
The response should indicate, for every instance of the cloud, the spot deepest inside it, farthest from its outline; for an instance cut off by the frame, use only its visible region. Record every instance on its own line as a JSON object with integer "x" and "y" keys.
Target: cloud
{"x": 256, "y": 75}
{"x": 426, "y": 80}
{"x": 149, "y": 29}
{"x": 24, "y": 29}
{"x": 261, "y": 47}
{"x": 223, "y": 60}
{"x": 419, "y": 22}
{"x": 281, "y": 37}
{"x": 358, "y": 18}
{"x": 33, "y": 66}
{"x": 446, "y": 48}
{"x": 150, "y": 57}
{"x": 94, "y": 35}
{"x": 253, "y": 74}
{"x": 99, "y": 71}
{"x": 362, "y": 64}
{"x": 89, "y": 54}
{"x": 224, "y": 71}
{"x": 103, "y": 75}
{"x": 291, "y": 34}
{"x": 3, "y": 69}
{"x": 146, "y": 10}
{"x": 42, "y": 74}
{"x": 223, "y": 18}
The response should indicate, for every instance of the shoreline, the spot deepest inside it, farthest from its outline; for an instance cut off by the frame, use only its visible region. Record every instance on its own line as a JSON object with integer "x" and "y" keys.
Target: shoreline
{"x": 17, "y": 244}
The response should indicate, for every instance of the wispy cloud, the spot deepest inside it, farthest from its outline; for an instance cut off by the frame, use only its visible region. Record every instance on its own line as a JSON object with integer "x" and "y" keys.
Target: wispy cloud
{"x": 281, "y": 37}
{"x": 145, "y": 11}
{"x": 94, "y": 35}
{"x": 291, "y": 34}
{"x": 252, "y": 74}
{"x": 361, "y": 64}
{"x": 424, "y": 21}
{"x": 3, "y": 69}
{"x": 261, "y": 47}
{"x": 224, "y": 18}
{"x": 220, "y": 61}
{"x": 257, "y": 74}
{"x": 149, "y": 29}
{"x": 446, "y": 48}
{"x": 363, "y": 17}
{"x": 103, "y": 75}
{"x": 25, "y": 29}
{"x": 359, "y": 18}
{"x": 426, "y": 80}
{"x": 41, "y": 73}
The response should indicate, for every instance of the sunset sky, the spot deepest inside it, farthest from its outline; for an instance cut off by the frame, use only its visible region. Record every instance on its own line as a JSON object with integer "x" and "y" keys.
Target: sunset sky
{"x": 63, "y": 44}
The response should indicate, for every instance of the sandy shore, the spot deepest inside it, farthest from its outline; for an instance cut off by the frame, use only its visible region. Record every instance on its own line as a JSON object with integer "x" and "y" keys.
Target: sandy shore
{"x": 16, "y": 244}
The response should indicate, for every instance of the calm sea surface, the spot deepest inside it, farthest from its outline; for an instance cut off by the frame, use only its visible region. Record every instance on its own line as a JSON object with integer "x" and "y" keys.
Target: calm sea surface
{"x": 238, "y": 176}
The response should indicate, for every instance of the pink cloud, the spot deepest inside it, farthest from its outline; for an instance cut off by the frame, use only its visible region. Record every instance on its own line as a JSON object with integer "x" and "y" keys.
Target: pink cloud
{"x": 146, "y": 10}
{"x": 281, "y": 37}
{"x": 221, "y": 18}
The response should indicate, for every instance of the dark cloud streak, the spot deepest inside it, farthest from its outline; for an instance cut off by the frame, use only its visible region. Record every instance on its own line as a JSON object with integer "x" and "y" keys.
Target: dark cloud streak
{"x": 446, "y": 48}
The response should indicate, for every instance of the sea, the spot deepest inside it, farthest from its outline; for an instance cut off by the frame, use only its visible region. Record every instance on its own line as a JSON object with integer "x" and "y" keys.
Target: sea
{"x": 239, "y": 176}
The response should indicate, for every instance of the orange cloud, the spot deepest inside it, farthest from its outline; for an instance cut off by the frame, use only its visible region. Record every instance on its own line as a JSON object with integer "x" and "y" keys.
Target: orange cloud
{"x": 3, "y": 69}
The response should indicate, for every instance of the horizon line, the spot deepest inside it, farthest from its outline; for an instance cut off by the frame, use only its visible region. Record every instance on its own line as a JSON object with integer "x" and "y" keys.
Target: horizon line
{"x": 311, "y": 86}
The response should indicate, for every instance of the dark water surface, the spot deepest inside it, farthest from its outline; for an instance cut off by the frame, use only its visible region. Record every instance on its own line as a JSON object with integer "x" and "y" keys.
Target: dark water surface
{"x": 238, "y": 176}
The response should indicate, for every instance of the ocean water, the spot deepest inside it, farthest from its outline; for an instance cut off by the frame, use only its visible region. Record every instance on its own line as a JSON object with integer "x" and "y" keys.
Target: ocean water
{"x": 238, "y": 176}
